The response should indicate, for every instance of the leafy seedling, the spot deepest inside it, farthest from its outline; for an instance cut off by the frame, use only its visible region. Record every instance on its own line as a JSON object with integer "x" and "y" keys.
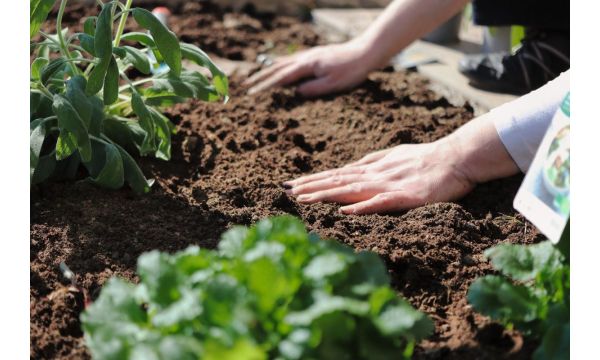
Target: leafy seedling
{"x": 86, "y": 114}
{"x": 271, "y": 291}
{"x": 531, "y": 295}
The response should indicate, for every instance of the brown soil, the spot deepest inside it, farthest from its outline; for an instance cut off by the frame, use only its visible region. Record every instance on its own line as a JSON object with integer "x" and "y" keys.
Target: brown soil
{"x": 227, "y": 167}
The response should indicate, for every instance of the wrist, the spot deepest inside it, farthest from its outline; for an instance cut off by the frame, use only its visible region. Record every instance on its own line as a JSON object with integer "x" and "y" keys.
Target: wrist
{"x": 479, "y": 153}
{"x": 369, "y": 54}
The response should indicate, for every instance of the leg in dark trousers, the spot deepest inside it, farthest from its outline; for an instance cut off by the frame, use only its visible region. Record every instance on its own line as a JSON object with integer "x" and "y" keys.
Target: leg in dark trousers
{"x": 540, "y": 14}
{"x": 544, "y": 52}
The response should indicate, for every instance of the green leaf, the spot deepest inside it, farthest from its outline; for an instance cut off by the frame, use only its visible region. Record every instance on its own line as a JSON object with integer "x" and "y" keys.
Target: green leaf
{"x": 555, "y": 344}
{"x": 191, "y": 84}
{"x": 401, "y": 319}
{"x": 106, "y": 165}
{"x": 87, "y": 43}
{"x": 97, "y": 118}
{"x": 37, "y": 66}
{"x": 326, "y": 305}
{"x": 89, "y": 26}
{"x": 103, "y": 32}
{"x": 241, "y": 350}
{"x": 35, "y": 99}
{"x": 111, "y": 82}
{"x": 195, "y": 54}
{"x": 165, "y": 40}
{"x": 160, "y": 98}
{"x": 44, "y": 168}
{"x": 146, "y": 123}
{"x": 326, "y": 265}
{"x": 501, "y": 300}
{"x": 76, "y": 96}
{"x": 66, "y": 144}
{"x": 49, "y": 70}
{"x": 126, "y": 133}
{"x": 68, "y": 119}
{"x": 133, "y": 174}
{"x": 524, "y": 262}
{"x": 96, "y": 78}
{"x": 164, "y": 129}
{"x": 231, "y": 244}
{"x": 180, "y": 347}
{"x": 139, "y": 37}
{"x": 135, "y": 57}
{"x": 38, "y": 12}
{"x": 160, "y": 277}
{"x": 36, "y": 140}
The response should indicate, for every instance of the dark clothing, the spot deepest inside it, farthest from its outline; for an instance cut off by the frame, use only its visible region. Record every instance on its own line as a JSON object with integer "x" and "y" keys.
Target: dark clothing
{"x": 539, "y": 14}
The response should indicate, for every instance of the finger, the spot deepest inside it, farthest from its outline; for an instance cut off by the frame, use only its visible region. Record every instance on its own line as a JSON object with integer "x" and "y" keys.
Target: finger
{"x": 329, "y": 183}
{"x": 370, "y": 158}
{"x": 285, "y": 76}
{"x": 317, "y": 87}
{"x": 350, "y": 193}
{"x": 265, "y": 73}
{"x": 383, "y": 203}
{"x": 325, "y": 174}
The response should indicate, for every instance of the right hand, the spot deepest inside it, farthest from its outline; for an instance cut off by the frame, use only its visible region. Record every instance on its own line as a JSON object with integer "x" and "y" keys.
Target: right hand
{"x": 334, "y": 68}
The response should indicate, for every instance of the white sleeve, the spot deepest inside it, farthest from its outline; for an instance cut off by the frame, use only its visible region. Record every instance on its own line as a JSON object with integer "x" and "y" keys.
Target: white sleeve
{"x": 522, "y": 123}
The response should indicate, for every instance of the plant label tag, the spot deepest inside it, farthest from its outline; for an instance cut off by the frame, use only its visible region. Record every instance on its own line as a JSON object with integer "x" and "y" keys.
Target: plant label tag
{"x": 544, "y": 195}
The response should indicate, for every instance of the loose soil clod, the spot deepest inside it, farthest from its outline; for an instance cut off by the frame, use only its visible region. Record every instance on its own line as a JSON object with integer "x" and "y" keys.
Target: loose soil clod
{"x": 229, "y": 162}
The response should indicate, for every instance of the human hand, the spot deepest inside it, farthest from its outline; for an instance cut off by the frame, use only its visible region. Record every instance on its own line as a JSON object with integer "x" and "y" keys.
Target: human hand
{"x": 402, "y": 177}
{"x": 334, "y": 68}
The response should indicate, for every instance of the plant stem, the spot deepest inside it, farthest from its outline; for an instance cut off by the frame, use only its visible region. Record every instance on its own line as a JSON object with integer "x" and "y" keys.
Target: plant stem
{"x": 82, "y": 60}
{"x": 136, "y": 83}
{"x": 122, "y": 23}
{"x": 61, "y": 39}
{"x": 118, "y": 105}
{"x": 42, "y": 89}
{"x": 47, "y": 36}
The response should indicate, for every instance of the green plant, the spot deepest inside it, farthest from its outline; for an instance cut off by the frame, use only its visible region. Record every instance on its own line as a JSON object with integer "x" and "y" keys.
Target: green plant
{"x": 272, "y": 291}
{"x": 84, "y": 108}
{"x": 531, "y": 295}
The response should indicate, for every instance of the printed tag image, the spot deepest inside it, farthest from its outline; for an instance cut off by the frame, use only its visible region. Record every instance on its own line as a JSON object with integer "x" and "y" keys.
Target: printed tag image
{"x": 544, "y": 196}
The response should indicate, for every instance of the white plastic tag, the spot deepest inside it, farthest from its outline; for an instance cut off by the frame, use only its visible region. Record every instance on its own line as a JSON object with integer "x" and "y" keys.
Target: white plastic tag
{"x": 544, "y": 196}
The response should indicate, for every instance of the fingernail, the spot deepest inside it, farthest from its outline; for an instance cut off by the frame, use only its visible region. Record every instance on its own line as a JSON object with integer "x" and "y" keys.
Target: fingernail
{"x": 346, "y": 210}
{"x": 287, "y": 185}
{"x": 289, "y": 192}
{"x": 303, "y": 198}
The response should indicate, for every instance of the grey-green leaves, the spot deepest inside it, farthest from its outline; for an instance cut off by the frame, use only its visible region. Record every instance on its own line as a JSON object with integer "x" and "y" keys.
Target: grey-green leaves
{"x": 50, "y": 69}
{"x": 111, "y": 82}
{"x": 37, "y": 66}
{"x": 165, "y": 40}
{"x": 103, "y": 32}
{"x": 72, "y": 128}
{"x": 89, "y": 111}
{"x": 194, "y": 53}
{"x": 135, "y": 57}
{"x": 258, "y": 297}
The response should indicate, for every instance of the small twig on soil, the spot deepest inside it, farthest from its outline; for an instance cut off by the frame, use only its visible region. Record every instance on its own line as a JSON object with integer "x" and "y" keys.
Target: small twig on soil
{"x": 70, "y": 275}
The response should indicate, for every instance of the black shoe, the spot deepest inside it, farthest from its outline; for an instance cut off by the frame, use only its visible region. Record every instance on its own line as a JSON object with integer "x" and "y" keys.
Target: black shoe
{"x": 541, "y": 57}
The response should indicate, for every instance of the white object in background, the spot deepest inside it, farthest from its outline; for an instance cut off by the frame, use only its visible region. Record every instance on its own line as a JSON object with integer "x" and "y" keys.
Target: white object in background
{"x": 496, "y": 39}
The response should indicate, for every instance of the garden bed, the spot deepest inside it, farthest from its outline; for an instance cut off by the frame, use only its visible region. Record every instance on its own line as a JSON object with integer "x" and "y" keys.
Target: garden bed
{"x": 227, "y": 168}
